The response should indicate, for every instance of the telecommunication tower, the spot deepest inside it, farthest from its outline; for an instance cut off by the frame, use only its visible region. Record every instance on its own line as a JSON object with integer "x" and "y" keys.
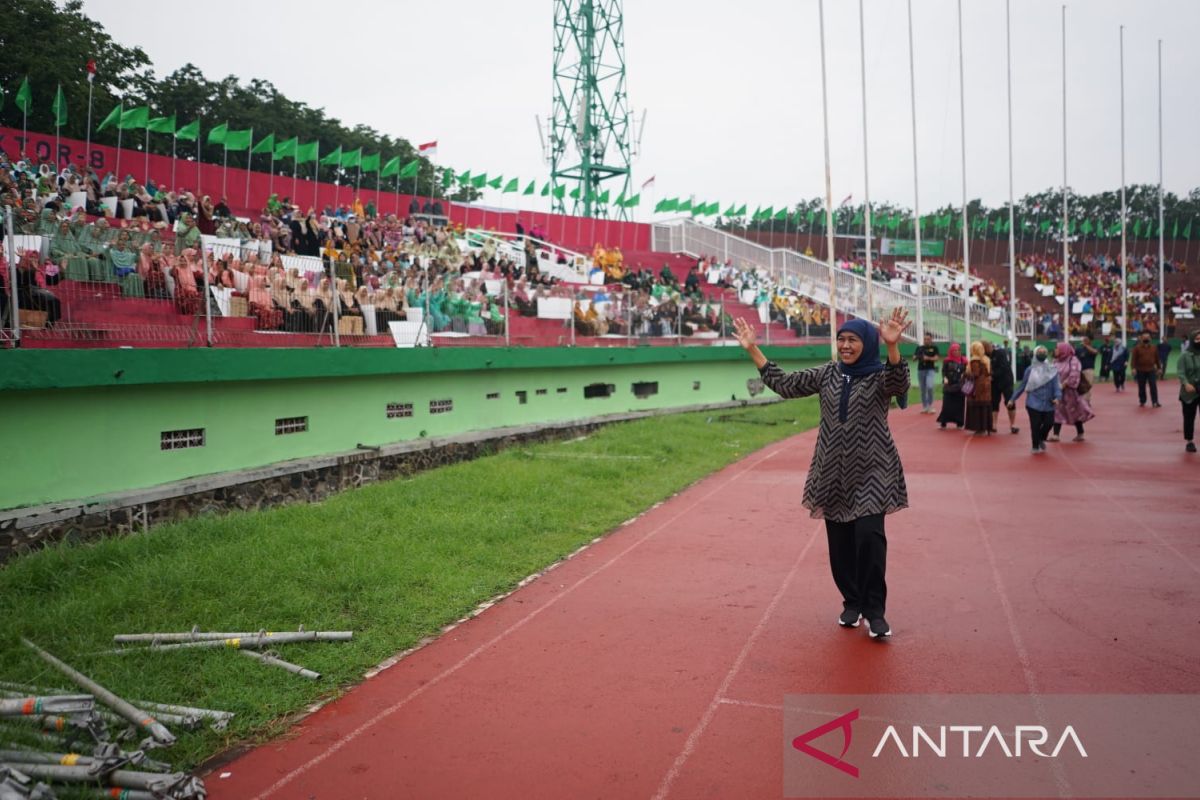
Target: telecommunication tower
{"x": 590, "y": 146}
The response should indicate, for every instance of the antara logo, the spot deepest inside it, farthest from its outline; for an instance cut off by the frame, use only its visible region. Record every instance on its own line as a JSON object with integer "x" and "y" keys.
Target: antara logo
{"x": 1032, "y": 737}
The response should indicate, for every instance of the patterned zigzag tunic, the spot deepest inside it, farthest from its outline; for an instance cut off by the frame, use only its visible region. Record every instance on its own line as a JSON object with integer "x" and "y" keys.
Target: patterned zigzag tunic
{"x": 855, "y": 469}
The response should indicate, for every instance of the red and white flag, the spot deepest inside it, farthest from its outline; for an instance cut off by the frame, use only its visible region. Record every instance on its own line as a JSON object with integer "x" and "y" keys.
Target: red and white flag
{"x": 427, "y": 149}
{"x": 91, "y": 70}
{"x": 649, "y": 182}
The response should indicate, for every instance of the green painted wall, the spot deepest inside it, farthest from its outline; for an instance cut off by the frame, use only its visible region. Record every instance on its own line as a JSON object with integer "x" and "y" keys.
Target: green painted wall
{"x": 92, "y": 425}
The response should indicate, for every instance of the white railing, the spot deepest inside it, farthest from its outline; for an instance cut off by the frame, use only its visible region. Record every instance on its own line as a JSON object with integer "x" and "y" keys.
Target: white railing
{"x": 574, "y": 267}
{"x": 944, "y": 314}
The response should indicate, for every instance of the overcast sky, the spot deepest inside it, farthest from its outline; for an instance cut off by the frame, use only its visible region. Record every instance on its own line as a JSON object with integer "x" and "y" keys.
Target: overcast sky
{"x": 733, "y": 90}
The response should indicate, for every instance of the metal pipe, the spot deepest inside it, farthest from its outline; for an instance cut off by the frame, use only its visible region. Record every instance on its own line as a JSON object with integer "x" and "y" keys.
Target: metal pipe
{"x": 1162, "y": 294}
{"x": 127, "y": 710}
{"x": 175, "y": 785}
{"x": 6, "y": 687}
{"x": 828, "y": 193}
{"x": 236, "y": 643}
{"x": 912, "y": 79}
{"x": 11, "y": 250}
{"x": 1012, "y": 242}
{"x": 1065, "y": 226}
{"x": 196, "y": 636}
{"x": 267, "y": 658}
{"x": 862, "y": 55}
{"x": 46, "y": 704}
{"x": 1124, "y": 282}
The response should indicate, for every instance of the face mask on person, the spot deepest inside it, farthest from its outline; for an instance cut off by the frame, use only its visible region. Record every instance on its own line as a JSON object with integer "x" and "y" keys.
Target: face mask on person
{"x": 1040, "y": 356}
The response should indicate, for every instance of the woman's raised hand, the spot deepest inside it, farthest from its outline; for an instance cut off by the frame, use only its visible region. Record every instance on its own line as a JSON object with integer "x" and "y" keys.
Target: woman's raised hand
{"x": 892, "y": 327}
{"x": 746, "y": 336}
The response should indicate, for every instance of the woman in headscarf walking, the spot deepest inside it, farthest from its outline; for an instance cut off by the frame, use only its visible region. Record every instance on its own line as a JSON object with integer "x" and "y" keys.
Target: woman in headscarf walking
{"x": 855, "y": 478}
{"x": 1073, "y": 409}
{"x": 1189, "y": 389}
{"x": 979, "y": 400}
{"x": 953, "y": 402}
{"x": 1044, "y": 393}
{"x": 1120, "y": 360}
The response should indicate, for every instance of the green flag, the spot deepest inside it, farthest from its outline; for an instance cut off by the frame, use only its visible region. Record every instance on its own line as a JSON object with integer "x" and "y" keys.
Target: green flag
{"x": 559, "y": 192}
{"x": 1175, "y": 229}
{"x": 479, "y": 181}
{"x": 712, "y": 209}
{"x": 546, "y": 189}
{"x": 287, "y": 148}
{"x": 392, "y": 167}
{"x": 603, "y": 198}
{"x": 530, "y": 189}
{"x": 162, "y": 125}
{"x": 370, "y": 163}
{"x": 217, "y": 134}
{"x": 411, "y": 169}
{"x": 699, "y": 209}
{"x": 59, "y": 107}
{"x": 447, "y": 178}
{"x": 683, "y": 205}
{"x": 510, "y": 187}
{"x": 729, "y": 212}
{"x": 239, "y": 140}
{"x": 1187, "y": 232}
{"x": 265, "y": 145}
{"x": 496, "y": 182}
{"x": 464, "y": 178}
{"x": 135, "y": 118}
{"x": 1137, "y": 228}
{"x": 633, "y": 202}
{"x": 781, "y": 214}
{"x": 741, "y": 212}
{"x": 768, "y": 212}
{"x": 307, "y": 152}
{"x": 189, "y": 132}
{"x": 352, "y": 158}
{"x": 113, "y": 118}
{"x": 24, "y": 96}
{"x": 334, "y": 159}
{"x": 574, "y": 195}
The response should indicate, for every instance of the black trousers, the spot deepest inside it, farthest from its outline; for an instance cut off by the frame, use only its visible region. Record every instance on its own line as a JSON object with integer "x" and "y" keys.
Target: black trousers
{"x": 1040, "y": 423}
{"x": 1144, "y": 378}
{"x": 858, "y": 558}
{"x": 1189, "y": 418}
{"x": 1058, "y": 427}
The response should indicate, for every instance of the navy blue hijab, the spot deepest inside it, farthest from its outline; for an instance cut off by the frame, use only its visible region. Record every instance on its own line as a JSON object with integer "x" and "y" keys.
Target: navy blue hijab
{"x": 868, "y": 362}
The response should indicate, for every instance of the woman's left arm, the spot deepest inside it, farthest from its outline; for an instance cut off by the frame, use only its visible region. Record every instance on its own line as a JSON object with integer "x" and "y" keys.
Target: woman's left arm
{"x": 896, "y": 381}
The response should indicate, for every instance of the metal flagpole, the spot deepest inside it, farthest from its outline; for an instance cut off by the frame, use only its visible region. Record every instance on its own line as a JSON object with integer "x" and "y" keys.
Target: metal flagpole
{"x": 225, "y": 170}
{"x": 962, "y": 126}
{"x": 828, "y": 193}
{"x": 147, "y": 167}
{"x": 1162, "y": 296}
{"x": 249, "y": 163}
{"x": 1012, "y": 243}
{"x": 11, "y": 248}
{"x": 87, "y": 147}
{"x": 1124, "y": 282}
{"x": 199, "y": 140}
{"x": 862, "y": 54}
{"x": 1066, "y": 252}
{"x": 912, "y": 78}
{"x": 271, "y": 185}
{"x": 120, "y": 130}
{"x": 316, "y": 173}
{"x": 173, "y": 143}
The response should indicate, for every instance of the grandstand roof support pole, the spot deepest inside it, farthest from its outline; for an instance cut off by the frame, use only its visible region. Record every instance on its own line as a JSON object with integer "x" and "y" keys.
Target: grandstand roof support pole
{"x": 1124, "y": 282}
{"x": 862, "y": 55}
{"x": 1065, "y": 227}
{"x": 316, "y": 173}
{"x": 828, "y": 194}
{"x": 10, "y": 247}
{"x": 507, "y": 338}
{"x": 1012, "y": 242}
{"x": 146, "y": 167}
{"x": 249, "y": 163}
{"x": 1162, "y": 295}
{"x": 912, "y": 81}
{"x": 962, "y": 128}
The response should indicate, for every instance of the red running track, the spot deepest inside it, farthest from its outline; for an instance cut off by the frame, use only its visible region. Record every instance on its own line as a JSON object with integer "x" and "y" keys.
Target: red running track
{"x": 655, "y": 662}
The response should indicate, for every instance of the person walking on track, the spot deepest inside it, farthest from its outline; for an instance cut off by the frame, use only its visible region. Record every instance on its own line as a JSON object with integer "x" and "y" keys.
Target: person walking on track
{"x": 1043, "y": 393}
{"x": 926, "y": 357}
{"x": 1189, "y": 389}
{"x": 1146, "y": 364}
{"x": 1073, "y": 408}
{"x": 856, "y": 477}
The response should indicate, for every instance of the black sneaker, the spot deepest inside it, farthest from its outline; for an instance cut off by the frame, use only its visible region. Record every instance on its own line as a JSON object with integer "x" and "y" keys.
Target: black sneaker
{"x": 879, "y": 627}
{"x": 849, "y": 619}
{"x": 1191, "y": 447}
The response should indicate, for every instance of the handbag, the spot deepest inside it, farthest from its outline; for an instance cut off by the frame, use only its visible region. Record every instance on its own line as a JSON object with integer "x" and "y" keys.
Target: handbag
{"x": 1085, "y": 385}
{"x": 968, "y": 387}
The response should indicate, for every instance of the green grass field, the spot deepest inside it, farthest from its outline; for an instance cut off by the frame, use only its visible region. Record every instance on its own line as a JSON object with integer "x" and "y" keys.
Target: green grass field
{"x": 394, "y": 562}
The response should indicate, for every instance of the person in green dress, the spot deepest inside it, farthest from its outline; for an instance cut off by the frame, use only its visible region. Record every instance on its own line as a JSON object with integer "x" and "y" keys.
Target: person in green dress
{"x": 123, "y": 261}
{"x": 70, "y": 257}
{"x": 189, "y": 236}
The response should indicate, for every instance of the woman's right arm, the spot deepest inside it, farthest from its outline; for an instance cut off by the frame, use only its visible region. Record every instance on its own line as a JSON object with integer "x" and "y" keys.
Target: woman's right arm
{"x": 785, "y": 384}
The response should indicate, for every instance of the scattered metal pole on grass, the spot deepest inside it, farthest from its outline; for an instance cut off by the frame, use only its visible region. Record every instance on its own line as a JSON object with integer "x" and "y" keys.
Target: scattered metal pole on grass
{"x": 197, "y": 636}
{"x": 127, "y": 710}
{"x": 47, "y": 704}
{"x": 267, "y": 658}
{"x": 175, "y": 785}
{"x": 233, "y": 642}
